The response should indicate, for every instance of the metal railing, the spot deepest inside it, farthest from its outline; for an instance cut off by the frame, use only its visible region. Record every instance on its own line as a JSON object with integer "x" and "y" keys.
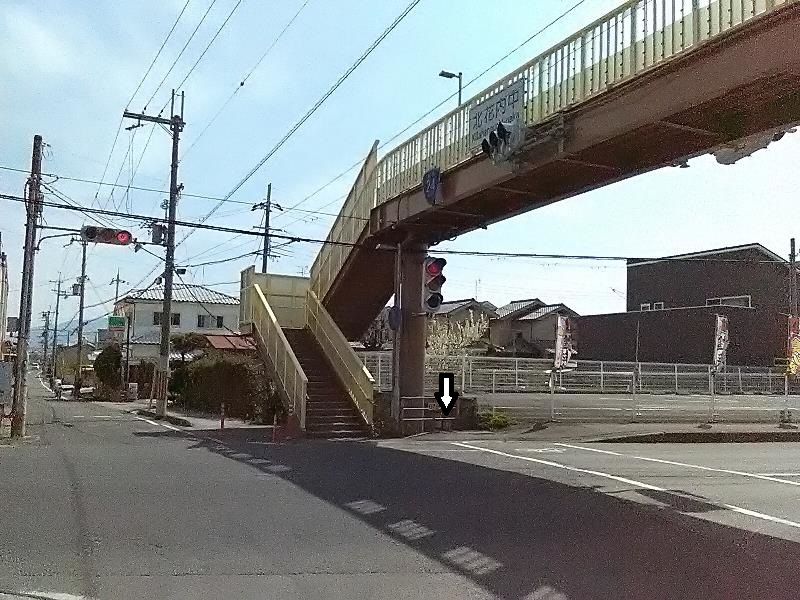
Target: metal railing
{"x": 635, "y": 37}
{"x": 495, "y": 375}
{"x": 284, "y": 362}
{"x": 349, "y": 225}
{"x": 351, "y": 372}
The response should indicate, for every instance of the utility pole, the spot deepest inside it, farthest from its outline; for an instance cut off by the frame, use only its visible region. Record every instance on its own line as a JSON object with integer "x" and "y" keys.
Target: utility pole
{"x": 34, "y": 211}
{"x": 55, "y": 329}
{"x": 267, "y": 206}
{"x": 45, "y": 338}
{"x": 117, "y": 281}
{"x": 792, "y": 279}
{"x": 76, "y": 390}
{"x": 176, "y": 125}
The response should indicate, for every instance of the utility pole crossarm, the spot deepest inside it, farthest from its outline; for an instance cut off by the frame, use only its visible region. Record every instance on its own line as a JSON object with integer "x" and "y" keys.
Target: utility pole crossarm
{"x": 142, "y": 117}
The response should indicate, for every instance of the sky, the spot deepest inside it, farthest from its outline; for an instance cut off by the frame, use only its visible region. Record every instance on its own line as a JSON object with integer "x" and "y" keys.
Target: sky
{"x": 70, "y": 68}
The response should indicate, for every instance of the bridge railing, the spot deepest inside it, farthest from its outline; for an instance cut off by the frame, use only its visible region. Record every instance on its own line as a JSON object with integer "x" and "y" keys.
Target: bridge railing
{"x": 635, "y": 37}
{"x": 619, "y": 46}
{"x": 347, "y": 229}
{"x": 270, "y": 337}
{"x": 351, "y": 372}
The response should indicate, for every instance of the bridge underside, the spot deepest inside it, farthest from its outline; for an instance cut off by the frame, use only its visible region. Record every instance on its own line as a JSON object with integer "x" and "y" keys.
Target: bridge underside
{"x": 744, "y": 82}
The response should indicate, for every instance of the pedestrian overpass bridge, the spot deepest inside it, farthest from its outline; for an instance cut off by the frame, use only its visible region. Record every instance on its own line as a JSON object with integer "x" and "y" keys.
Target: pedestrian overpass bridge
{"x": 648, "y": 85}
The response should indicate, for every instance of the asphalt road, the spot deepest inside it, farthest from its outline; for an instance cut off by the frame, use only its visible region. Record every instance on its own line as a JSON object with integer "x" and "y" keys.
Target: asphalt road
{"x": 100, "y": 504}
{"x": 642, "y": 407}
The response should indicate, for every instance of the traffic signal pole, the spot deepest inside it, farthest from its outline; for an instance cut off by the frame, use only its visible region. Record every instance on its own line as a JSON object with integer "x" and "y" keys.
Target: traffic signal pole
{"x": 176, "y": 125}
{"x": 34, "y": 208}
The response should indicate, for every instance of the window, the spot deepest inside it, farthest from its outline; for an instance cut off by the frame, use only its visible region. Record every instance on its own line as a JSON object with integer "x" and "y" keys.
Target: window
{"x": 220, "y": 322}
{"x": 176, "y": 318}
{"x": 644, "y": 306}
{"x": 658, "y": 306}
{"x": 744, "y": 301}
{"x": 201, "y": 321}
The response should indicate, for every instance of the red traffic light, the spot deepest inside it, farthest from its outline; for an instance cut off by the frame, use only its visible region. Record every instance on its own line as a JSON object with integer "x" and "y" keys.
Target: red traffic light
{"x": 434, "y": 266}
{"x": 106, "y": 235}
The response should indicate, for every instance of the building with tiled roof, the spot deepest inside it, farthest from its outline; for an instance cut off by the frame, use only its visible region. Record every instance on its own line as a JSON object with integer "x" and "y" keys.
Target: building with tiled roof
{"x": 195, "y": 309}
{"x": 527, "y": 326}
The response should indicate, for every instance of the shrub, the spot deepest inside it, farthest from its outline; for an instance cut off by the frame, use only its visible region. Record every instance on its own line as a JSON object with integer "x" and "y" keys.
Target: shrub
{"x": 240, "y": 382}
{"x": 108, "y": 369}
{"x": 492, "y": 421}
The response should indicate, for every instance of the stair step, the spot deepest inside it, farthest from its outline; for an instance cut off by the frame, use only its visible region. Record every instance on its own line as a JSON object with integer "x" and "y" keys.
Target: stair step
{"x": 333, "y": 426}
{"x": 331, "y": 419}
{"x": 339, "y": 434}
{"x": 312, "y": 408}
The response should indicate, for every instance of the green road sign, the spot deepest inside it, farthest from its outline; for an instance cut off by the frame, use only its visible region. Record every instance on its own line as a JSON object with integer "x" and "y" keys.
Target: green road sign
{"x": 116, "y": 323}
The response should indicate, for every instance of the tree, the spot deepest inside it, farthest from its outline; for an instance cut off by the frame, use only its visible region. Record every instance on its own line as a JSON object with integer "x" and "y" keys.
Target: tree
{"x": 184, "y": 343}
{"x": 108, "y": 367}
{"x": 452, "y": 338}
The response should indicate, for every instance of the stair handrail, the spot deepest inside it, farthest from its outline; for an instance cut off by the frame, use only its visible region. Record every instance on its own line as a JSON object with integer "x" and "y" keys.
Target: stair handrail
{"x": 290, "y": 374}
{"x": 351, "y": 372}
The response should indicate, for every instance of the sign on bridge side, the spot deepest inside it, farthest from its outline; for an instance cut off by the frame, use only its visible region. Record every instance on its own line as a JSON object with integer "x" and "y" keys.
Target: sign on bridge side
{"x": 506, "y": 105}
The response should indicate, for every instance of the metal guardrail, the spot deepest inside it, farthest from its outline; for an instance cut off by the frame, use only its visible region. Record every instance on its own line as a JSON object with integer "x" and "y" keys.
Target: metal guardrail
{"x": 623, "y": 44}
{"x": 486, "y": 375}
{"x": 271, "y": 337}
{"x": 351, "y": 372}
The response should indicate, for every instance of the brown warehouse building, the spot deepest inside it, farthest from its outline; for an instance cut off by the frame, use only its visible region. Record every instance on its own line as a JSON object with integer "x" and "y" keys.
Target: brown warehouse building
{"x": 672, "y": 303}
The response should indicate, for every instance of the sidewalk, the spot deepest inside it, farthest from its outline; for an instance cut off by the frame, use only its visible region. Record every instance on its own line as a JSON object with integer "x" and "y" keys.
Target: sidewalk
{"x": 178, "y": 417}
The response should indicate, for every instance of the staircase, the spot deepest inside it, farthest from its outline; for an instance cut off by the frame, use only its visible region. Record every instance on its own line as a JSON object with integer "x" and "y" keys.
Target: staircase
{"x": 330, "y": 413}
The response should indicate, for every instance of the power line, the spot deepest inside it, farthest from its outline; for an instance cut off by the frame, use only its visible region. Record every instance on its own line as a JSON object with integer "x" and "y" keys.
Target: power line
{"x": 244, "y": 79}
{"x": 161, "y": 48}
{"x": 442, "y": 103}
{"x": 136, "y": 91}
{"x": 213, "y": 39}
{"x": 446, "y": 251}
{"x": 312, "y": 110}
{"x": 180, "y": 54}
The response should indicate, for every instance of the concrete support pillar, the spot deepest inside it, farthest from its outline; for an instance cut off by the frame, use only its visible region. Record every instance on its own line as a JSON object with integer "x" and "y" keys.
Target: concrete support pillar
{"x": 413, "y": 329}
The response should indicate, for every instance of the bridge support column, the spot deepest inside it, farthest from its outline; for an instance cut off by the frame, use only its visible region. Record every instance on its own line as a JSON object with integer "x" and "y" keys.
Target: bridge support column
{"x": 414, "y": 323}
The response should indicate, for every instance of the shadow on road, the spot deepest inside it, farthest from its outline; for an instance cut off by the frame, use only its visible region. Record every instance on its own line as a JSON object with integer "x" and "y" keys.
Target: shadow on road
{"x": 524, "y": 537}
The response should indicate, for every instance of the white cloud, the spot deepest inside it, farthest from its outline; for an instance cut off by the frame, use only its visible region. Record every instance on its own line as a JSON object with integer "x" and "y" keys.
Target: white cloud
{"x": 31, "y": 45}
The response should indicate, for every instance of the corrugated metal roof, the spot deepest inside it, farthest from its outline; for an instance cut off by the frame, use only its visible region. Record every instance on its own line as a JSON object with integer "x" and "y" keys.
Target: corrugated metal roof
{"x": 516, "y": 306}
{"x": 183, "y": 292}
{"x": 231, "y": 342}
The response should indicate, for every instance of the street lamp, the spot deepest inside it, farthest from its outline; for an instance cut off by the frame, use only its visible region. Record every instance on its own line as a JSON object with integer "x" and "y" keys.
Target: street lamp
{"x": 449, "y": 75}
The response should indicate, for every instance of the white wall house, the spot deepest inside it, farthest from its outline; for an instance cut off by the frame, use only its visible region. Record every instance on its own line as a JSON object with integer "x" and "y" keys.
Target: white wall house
{"x": 195, "y": 308}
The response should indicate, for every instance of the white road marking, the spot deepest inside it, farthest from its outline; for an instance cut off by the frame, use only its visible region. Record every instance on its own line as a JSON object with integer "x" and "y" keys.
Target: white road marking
{"x": 541, "y": 450}
{"x": 148, "y": 421}
{"x": 680, "y": 464}
{"x": 168, "y": 426}
{"x": 646, "y": 486}
{"x": 780, "y": 474}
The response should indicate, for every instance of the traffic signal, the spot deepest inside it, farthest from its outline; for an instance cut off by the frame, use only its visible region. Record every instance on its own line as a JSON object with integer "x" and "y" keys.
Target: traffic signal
{"x": 502, "y": 140}
{"x": 433, "y": 272}
{"x": 106, "y": 235}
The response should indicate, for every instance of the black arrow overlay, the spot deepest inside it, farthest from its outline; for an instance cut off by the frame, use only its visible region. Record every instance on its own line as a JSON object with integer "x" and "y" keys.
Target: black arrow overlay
{"x": 447, "y": 395}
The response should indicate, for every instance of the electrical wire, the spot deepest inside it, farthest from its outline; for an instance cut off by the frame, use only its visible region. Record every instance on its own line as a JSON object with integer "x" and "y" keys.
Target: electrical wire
{"x": 210, "y": 43}
{"x": 443, "y": 102}
{"x": 445, "y": 251}
{"x": 244, "y": 80}
{"x": 311, "y": 111}
{"x": 177, "y": 58}
{"x": 136, "y": 91}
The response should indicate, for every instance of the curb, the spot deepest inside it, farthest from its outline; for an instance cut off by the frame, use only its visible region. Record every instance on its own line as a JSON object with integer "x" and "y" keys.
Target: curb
{"x": 169, "y": 418}
{"x": 704, "y": 437}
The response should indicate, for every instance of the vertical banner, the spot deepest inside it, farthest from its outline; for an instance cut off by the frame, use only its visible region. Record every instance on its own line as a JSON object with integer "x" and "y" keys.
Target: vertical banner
{"x": 793, "y": 346}
{"x": 721, "y": 343}
{"x": 565, "y": 349}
